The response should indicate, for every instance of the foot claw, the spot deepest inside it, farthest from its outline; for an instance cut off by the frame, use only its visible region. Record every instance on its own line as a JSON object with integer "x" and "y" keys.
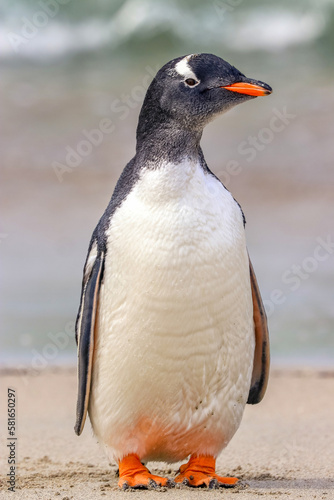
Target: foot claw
{"x": 152, "y": 484}
{"x": 170, "y": 483}
{"x": 213, "y": 484}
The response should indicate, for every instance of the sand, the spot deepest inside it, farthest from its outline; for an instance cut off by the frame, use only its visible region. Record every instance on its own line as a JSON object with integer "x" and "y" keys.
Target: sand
{"x": 284, "y": 447}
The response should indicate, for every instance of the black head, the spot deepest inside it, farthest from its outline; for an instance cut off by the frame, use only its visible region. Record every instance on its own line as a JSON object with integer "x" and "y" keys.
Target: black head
{"x": 191, "y": 90}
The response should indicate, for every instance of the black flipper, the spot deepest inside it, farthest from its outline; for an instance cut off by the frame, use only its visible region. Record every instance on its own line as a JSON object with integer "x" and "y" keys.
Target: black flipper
{"x": 261, "y": 362}
{"x": 85, "y": 337}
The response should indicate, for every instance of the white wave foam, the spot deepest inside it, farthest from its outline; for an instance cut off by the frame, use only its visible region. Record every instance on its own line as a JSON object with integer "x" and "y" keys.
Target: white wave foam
{"x": 262, "y": 28}
{"x": 278, "y": 30}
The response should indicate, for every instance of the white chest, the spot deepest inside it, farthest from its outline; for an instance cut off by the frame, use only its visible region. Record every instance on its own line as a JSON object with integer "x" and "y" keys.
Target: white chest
{"x": 175, "y": 333}
{"x": 176, "y": 218}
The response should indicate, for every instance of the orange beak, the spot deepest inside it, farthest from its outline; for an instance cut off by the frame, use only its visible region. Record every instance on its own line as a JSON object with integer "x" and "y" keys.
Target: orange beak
{"x": 248, "y": 89}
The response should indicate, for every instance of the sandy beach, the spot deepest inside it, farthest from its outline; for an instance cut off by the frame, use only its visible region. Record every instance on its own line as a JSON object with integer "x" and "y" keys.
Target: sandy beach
{"x": 284, "y": 447}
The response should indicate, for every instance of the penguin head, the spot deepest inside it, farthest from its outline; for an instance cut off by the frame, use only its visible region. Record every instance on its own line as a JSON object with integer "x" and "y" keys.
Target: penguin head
{"x": 192, "y": 90}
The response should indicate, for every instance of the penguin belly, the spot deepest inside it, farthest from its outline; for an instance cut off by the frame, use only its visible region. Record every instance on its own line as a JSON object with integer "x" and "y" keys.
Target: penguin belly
{"x": 174, "y": 339}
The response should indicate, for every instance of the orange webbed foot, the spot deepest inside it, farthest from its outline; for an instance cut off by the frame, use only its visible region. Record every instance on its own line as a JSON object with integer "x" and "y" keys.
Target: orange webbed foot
{"x": 200, "y": 471}
{"x": 133, "y": 474}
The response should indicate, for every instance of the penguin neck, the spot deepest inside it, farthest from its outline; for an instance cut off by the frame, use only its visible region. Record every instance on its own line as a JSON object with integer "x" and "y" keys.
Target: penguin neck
{"x": 166, "y": 142}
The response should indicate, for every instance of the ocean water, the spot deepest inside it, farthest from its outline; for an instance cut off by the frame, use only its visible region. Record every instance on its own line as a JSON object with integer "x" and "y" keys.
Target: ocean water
{"x": 66, "y": 65}
{"x": 59, "y": 28}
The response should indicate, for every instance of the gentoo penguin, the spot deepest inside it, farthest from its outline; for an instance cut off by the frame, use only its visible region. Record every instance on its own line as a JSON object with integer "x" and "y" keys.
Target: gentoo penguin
{"x": 171, "y": 330}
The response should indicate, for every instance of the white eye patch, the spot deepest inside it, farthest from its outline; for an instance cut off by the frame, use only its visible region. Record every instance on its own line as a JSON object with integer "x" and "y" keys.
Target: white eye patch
{"x": 183, "y": 68}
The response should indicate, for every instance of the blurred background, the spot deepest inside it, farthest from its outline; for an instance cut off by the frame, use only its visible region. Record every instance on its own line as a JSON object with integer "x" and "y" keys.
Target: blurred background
{"x": 73, "y": 77}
